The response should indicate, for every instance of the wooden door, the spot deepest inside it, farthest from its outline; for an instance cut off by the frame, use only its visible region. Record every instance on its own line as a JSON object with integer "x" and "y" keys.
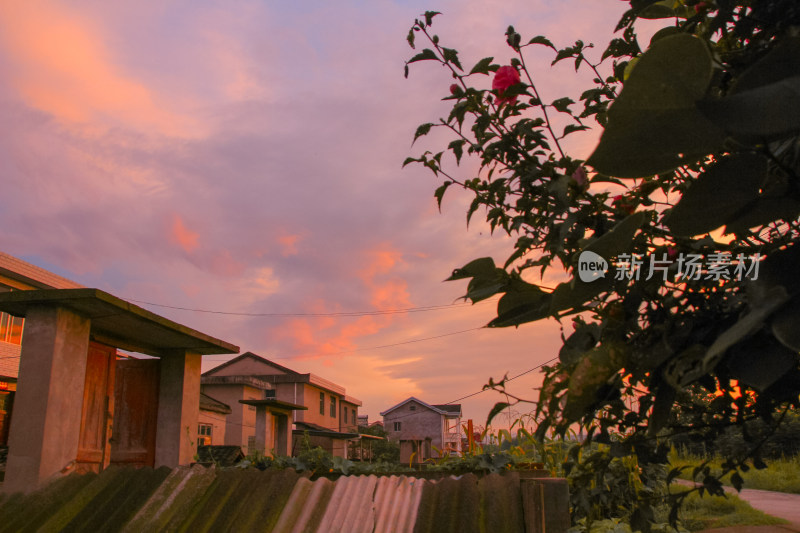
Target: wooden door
{"x": 136, "y": 411}
{"x": 98, "y": 408}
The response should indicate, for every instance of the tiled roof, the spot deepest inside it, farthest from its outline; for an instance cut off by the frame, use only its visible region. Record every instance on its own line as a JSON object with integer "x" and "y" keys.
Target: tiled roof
{"x": 219, "y": 455}
{"x": 314, "y": 429}
{"x": 207, "y": 403}
{"x": 451, "y": 408}
{"x": 282, "y": 501}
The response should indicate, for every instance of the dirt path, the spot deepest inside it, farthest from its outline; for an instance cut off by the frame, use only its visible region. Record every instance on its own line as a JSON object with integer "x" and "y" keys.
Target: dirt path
{"x": 780, "y": 504}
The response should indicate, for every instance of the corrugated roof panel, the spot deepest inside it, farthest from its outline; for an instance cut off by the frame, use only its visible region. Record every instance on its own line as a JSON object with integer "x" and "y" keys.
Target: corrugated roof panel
{"x": 27, "y": 513}
{"x": 200, "y": 499}
{"x": 351, "y": 507}
{"x": 451, "y": 504}
{"x": 305, "y": 507}
{"x": 396, "y": 503}
{"x": 173, "y": 501}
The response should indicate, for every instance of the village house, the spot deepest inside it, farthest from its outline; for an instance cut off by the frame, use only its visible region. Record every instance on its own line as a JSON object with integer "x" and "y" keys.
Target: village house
{"x": 77, "y": 404}
{"x": 423, "y": 430}
{"x": 319, "y": 409}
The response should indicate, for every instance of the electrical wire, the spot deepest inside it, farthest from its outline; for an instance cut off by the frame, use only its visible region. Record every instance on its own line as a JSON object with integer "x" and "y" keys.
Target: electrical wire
{"x": 332, "y": 314}
{"x": 412, "y": 341}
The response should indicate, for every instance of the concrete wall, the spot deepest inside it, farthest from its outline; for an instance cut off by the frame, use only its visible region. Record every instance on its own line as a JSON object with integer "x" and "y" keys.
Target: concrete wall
{"x": 311, "y": 400}
{"x": 240, "y": 424}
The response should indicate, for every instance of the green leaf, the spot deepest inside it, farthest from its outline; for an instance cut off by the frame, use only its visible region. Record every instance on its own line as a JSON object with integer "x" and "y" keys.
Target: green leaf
{"x": 423, "y": 129}
{"x": 764, "y": 113}
{"x": 588, "y": 379}
{"x": 737, "y": 481}
{"x": 745, "y": 327}
{"x": 662, "y": 407}
{"x": 481, "y": 288}
{"x": 654, "y": 125}
{"x": 426, "y": 54}
{"x": 410, "y": 37}
{"x": 562, "y": 104}
{"x": 760, "y": 361}
{"x": 483, "y": 66}
{"x": 457, "y": 147}
{"x": 765, "y": 210}
{"x": 780, "y": 63}
{"x": 541, "y": 39}
{"x": 664, "y": 32}
{"x": 620, "y": 238}
{"x": 410, "y": 160}
{"x": 572, "y": 128}
{"x": 478, "y": 267}
{"x": 718, "y": 194}
{"x": 658, "y": 10}
{"x": 439, "y": 194}
{"x": 784, "y": 326}
{"x": 574, "y": 293}
{"x": 429, "y": 16}
{"x": 451, "y": 56}
{"x": 521, "y": 303}
{"x": 498, "y": 408}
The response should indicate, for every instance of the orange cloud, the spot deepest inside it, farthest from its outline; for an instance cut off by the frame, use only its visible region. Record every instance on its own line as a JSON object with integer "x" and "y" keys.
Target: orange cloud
{"x": 316, "y": 337}
{"x": 185, "y": 238}
{"x": 288, "y": 244}
{"x": 62, "y": 66}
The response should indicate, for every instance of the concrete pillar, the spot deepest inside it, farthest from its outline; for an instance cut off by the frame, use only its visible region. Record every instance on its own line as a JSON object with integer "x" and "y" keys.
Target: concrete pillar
{"x": 283, "y": 435}
{"x": 45, "y": 429}
{"x": 261, "y": 431}
{"x": 178, "y": 409}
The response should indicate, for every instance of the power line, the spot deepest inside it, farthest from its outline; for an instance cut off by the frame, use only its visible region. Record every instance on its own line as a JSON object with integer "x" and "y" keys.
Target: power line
{"x": 412, "y": 341}
{"x": 332, "y": 314}
{"x": 484, "y": 390}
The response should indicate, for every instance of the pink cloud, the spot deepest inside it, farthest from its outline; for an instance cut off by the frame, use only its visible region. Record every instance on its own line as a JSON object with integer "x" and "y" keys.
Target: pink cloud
{"x": 63, "y": 66}
{"x": 183, "y": 236}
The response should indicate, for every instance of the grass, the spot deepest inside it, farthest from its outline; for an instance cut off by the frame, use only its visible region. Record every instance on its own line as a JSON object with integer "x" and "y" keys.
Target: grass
{"x": 720, "y": 511}
{"x": 781, "y": 475}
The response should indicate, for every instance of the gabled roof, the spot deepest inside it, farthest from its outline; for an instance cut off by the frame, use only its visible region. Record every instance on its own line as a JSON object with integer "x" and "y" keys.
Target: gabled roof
{"x": 448, "y": 409}
{"x": 250, "y": 355}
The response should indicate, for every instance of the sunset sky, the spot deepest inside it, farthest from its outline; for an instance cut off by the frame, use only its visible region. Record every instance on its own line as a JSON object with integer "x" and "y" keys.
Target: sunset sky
{"x": 245, "y": 157}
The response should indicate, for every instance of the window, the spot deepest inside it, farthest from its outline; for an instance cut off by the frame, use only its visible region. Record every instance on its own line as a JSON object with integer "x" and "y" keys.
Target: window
{"x": 322, "y": 403}
{"x": 355, "y": 419}
{"x": 397, "y": 426}
{"x": 412, "y": 407}
{"x": 10, "y": 326}
{"x": 251, "y": 443}
{"x": 344, "y": 414}
{"x": 204, "y": 434}
{"x": 333, "y": 406}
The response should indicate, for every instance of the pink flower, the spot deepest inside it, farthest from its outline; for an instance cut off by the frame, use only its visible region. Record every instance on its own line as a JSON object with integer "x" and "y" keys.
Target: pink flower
{"x": 504, "y": 78}
{"x": 454, "y": 89}
{"x": 580, "y": 177}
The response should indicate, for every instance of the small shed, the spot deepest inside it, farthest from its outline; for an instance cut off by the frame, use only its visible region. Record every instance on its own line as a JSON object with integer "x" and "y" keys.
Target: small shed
{"x": 80, "y": 408}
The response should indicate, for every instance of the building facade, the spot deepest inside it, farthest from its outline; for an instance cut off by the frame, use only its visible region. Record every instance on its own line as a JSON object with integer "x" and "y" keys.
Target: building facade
{"x": 423, "y": 430}
{"x": 328, "y": 418}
